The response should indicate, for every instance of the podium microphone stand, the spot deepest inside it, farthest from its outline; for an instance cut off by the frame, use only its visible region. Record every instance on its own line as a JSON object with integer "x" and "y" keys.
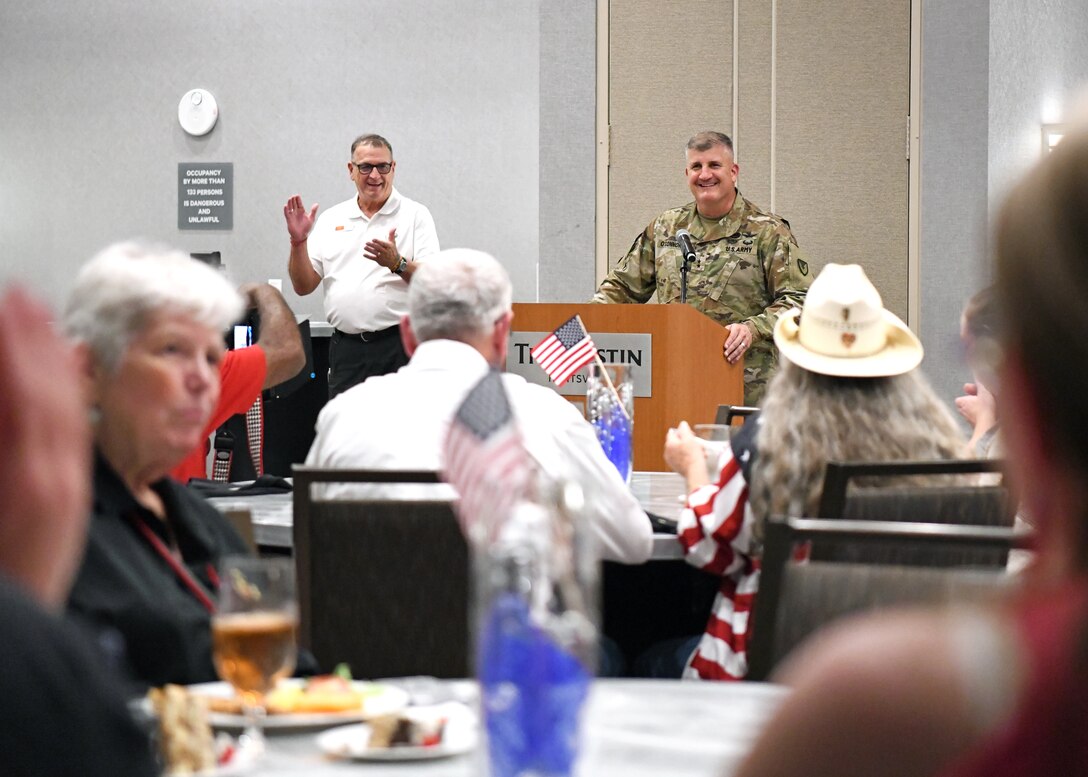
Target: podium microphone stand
{"x": 684, "y": 279}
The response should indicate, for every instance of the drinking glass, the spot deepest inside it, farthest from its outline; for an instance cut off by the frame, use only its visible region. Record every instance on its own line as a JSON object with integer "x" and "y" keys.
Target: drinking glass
{"x": 253, "y": 634}
{"x": 610, "y": 408}
{"x": 714, "y": 438}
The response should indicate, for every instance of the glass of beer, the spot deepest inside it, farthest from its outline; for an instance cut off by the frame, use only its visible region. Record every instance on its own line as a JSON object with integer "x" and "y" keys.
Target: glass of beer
{"x": 253, "y": 633}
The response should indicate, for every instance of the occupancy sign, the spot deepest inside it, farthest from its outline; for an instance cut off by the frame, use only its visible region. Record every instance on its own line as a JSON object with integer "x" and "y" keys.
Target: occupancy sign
{"x": 205, "y": 195}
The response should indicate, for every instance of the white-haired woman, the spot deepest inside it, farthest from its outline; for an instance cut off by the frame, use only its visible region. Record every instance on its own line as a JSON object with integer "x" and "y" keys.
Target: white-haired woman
{"x": 847, "y": 389}
{"x": 148, "y": 324}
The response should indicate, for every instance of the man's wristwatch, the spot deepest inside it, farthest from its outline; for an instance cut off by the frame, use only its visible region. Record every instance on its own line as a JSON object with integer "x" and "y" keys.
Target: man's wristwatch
{"x": 401, "y": 266}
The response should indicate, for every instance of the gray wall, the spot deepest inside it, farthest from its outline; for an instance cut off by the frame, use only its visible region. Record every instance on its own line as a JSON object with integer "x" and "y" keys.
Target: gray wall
{"x": 1038, "y": 66}
{"x": 953, "y": 262}
{"x": 89, "y": 142}
{"x": 568, "y": 104}
{"x": 993, "y": 72}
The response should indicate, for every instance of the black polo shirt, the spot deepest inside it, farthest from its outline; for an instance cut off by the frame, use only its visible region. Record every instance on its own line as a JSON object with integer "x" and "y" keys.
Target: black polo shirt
{"x": 128, "y": 588}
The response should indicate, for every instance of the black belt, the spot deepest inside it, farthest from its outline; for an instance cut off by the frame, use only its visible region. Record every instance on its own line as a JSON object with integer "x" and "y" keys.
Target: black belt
{"x": 369, "y": 337}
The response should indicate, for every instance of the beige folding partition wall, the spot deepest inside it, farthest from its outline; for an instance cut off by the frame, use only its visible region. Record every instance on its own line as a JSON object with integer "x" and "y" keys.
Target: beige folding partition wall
{"x": 822, "y": 97}
{"x": 670, "y": 74}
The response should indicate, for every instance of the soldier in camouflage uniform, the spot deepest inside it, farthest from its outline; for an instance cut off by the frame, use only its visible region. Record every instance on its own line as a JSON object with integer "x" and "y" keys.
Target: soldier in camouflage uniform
{"x": 748, "y": 268}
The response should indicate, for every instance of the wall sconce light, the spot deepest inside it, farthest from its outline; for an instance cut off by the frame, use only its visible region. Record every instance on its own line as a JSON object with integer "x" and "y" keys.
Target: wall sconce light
{"x": 1052, "y": 135}
{"x": 198, "y": 112}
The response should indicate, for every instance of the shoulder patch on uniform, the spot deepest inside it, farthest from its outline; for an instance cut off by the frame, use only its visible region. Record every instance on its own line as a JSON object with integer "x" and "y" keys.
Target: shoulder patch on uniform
{"x": 802, "y": 265}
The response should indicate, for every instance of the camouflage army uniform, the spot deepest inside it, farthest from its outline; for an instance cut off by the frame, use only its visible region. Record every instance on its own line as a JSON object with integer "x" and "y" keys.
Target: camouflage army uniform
{"x": 748, "y": 268}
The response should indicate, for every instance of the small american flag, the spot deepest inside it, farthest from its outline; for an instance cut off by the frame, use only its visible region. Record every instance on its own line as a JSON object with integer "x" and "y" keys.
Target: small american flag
{"x": 565, "y": 351}
{"x": 485, "y": 458}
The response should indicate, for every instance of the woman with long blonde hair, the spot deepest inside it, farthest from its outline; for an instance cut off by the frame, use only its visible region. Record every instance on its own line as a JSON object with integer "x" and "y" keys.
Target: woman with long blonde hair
{"x": 848, "y": 389}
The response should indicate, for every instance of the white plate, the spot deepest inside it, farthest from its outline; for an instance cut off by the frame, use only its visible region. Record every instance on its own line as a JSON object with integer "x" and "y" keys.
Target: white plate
{"x": 235, "y": 768}
{"x": 459, "y": 737}
{"x": 379, "y": 699}
{"x": 240, "y": 763}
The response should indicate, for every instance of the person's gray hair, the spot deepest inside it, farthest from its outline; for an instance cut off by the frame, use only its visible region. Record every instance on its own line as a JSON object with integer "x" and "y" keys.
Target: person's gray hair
{"x": 810, "y": 419}
{"x": 458, "y": 294}
{"x": 704, "y": 141}
{"x": 371, "y": 140}
{"x": 122, "y": 286}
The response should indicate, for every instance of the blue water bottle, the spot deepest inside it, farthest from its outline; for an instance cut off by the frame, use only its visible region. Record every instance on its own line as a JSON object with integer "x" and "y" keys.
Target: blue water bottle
{"x": 536, "y": 640}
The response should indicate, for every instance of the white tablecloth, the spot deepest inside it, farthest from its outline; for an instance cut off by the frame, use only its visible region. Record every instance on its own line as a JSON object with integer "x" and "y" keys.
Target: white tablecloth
{"x": 632, "y": 728}
{"x": 658, "y": 492}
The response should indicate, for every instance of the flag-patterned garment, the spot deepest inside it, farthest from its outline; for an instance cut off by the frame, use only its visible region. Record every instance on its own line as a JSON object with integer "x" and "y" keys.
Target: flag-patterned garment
{"x": 564, "y": 351}
{"x": 715, "y": 531}
{"x": 486, "y": 460}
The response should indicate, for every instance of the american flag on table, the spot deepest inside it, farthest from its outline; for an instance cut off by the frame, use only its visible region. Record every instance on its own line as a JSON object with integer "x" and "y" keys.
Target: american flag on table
{"x": 565, "y": 351}
{"x": 486, "y": 460}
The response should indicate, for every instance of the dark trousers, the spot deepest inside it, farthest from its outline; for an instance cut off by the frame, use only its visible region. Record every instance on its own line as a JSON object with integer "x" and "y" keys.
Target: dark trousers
{"x": 353, "y": 359}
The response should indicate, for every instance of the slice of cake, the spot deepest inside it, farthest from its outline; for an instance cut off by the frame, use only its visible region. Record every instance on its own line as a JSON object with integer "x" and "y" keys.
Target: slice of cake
{"x": 403, "y": 729}
{"x": 185, "y": 738}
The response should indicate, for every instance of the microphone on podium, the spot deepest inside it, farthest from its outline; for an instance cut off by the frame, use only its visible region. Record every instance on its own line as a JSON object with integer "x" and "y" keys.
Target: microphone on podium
{"x": 683, "y": 237}
{"x": 686, "y": 248}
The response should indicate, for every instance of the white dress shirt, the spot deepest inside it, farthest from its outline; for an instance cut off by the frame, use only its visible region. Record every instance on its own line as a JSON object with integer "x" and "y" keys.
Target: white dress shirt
{"x": 400, "y": 421}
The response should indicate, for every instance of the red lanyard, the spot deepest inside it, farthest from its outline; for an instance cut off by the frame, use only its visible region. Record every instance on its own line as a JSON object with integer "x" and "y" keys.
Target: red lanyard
{"x": 186, "y": 577}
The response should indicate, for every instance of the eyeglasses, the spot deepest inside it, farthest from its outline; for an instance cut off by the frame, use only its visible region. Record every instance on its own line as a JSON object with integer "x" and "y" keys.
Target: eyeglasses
{"x": 364, "y": 168}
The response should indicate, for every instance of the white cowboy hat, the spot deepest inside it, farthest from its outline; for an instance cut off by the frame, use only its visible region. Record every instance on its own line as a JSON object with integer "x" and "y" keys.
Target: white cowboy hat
{"x": 844, "y": 330}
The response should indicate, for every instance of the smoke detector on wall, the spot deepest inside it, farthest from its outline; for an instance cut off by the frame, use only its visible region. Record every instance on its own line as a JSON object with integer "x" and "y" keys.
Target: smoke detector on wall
{"x": 198, "y": 112}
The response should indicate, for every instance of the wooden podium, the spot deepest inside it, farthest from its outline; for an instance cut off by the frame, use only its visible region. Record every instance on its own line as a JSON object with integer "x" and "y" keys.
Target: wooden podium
{"x": 690, "y": 375}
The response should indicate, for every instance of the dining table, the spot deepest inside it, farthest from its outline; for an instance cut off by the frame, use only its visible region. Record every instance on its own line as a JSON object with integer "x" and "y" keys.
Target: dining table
{"x": 642, "y": 604}
{"x": 659, "y": 493}
{"x": 630, "y": 728}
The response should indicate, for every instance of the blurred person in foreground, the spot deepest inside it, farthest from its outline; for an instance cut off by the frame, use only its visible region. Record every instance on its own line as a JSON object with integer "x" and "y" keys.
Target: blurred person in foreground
{"x": 848, "y": 389}
{"x": 148, "y": 326}
{"x": 62, "y": 712}
{"x": 978, "y": 333}
{"x": 457, "y": 328}
{"x": 1000, "y": 691}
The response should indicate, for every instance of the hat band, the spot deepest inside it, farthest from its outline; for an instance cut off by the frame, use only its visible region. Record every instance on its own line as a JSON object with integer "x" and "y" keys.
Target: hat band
{"x": 841, "y": 339}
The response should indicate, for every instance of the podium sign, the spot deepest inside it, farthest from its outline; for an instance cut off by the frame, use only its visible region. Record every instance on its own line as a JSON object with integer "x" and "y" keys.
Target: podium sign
{"x": 688, "y": 375}
{"x": 634, "y": 350}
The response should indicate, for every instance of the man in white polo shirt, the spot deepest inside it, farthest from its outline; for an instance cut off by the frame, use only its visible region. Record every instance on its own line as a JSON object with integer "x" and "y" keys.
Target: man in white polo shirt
{"x": 363, "y": 252}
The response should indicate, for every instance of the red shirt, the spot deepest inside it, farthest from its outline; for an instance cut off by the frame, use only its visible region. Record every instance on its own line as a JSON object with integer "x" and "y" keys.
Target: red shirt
{"x": 241, "y": 378}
